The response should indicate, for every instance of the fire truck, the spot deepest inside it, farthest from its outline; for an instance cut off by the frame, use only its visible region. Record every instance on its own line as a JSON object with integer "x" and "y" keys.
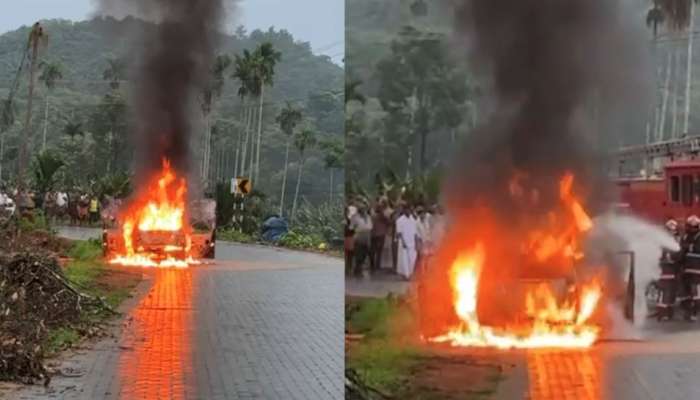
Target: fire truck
{"x": 668, "y": 188}
{"x": 673, "y": 192}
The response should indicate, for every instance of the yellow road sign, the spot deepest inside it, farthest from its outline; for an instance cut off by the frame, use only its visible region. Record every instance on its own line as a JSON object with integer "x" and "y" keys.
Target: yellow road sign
{"x": 241, "y": 185}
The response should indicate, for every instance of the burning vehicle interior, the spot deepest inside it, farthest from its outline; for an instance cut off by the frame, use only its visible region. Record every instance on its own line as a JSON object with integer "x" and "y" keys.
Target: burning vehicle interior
{"x": 516, "y": 283}
{"x": 161, "y": 228}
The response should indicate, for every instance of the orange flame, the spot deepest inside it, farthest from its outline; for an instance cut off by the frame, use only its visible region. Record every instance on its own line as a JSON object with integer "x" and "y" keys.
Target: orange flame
{"x": 159, "y": 209}
{"x": 546, "y": 319}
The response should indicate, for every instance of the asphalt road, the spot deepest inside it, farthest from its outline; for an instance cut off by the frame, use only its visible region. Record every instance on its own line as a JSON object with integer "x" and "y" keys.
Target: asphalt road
{"x": 258, "y": 323}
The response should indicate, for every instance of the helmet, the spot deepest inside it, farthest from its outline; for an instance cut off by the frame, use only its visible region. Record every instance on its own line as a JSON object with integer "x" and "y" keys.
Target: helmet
{"x": 693, "y": 221}
{"x": 672, "y": 225}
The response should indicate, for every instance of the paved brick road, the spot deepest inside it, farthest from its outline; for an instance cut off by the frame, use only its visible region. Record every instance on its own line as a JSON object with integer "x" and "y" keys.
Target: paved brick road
{"x": 666, "y": 366}
{"x": 259, "y": 324}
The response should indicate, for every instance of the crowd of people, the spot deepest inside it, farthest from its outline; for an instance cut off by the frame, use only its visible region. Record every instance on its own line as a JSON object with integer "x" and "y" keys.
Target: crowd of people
{"x": 78, "y": 206}
{"x": 680, "y": 272}
{"x": 408, "y": 232}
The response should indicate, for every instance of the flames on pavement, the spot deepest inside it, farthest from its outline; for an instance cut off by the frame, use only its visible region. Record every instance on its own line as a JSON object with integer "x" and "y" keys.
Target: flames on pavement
{"x": 503, "y": 275}
{"x": 154, "y": 228}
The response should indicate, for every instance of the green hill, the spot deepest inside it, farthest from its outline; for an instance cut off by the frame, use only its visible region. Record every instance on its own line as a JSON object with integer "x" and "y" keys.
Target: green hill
{"x": 308, "y": 81}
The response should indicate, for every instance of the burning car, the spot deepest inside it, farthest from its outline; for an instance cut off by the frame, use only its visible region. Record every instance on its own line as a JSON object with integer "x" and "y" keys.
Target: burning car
{"x": 160, "y": 228}
{"x": 517, "y": 284}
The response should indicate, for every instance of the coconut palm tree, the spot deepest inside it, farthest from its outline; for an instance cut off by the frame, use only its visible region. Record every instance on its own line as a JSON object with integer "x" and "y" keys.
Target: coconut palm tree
{"x": 7, "y": 119}
{"x": 655, "y": 17}
{"x": 37, "y": 38}
{"x": 288, "y": 119}
{"x": 73, "y": 129}
{"x": 211, "y": 93}
{"x": 677, "y": 16}
{"x": 243, "y": 72}
{"x": 265, "y": 59}
{"x": 45, "y": 167}
{"x": 115, "y": 72}
{"x": 303, "y": 141}
{"x": 351, "y": 92}
{"x": 51, "y": 72}
{"x": 333, "y": 159}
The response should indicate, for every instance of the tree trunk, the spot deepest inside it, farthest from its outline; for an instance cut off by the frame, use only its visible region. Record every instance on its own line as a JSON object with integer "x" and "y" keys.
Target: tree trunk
{"x": 260, "y": 121}
{"x": 296, "y": 192}
{"x": 244, "y": 152}
{"x": 238, "y": 153}
{"x": 251, "y": 164}
{"x": 330, "y": 196}
{"x": 664, "y": 102}
{"x": 689, "y": 78}
{"x": 284, "y": 177}
{"x": 2, "y": 152}
{"x": 46, "y": 123}
{"x": 207, "y": 150}
{"x": 675, "y": 96}
{"x": 24, "y": 144}
{"x": 110, "y": 140}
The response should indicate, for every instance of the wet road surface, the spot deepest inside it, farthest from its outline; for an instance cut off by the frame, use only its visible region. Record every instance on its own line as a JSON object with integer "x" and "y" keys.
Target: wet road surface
{"x": 259, "y": 323}
{"x": 663, "y": 365}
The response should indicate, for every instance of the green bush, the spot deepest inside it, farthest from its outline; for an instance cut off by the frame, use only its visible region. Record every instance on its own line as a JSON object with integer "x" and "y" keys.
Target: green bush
{"x": 324, "y": 221}
{"x": 302, "y": 241}
{"x": 224, "y": 205}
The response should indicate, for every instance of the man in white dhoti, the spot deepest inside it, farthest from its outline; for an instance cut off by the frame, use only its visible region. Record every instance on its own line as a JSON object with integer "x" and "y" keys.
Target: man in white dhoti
{"x": 406, "y": 232}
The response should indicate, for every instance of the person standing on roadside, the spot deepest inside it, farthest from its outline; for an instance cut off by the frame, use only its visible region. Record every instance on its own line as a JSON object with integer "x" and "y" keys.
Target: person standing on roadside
{"x": 349, "y": 240}
{"x": 406, "y": 232}
{"x": 361, "y": 225}
{"x": 380, "y": 227}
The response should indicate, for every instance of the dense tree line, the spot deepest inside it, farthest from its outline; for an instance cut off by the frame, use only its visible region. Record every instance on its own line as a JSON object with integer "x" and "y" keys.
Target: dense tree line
{"x": 81, "y": 112}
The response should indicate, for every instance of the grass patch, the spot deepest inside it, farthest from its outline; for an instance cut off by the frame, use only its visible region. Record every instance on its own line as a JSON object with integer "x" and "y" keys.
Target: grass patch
{"x": 389, "y": 359}
{"x": 86, "y": 250}
{"x": 232, "y": 235}
{"x": 384, "y": 365}
{"x": 61, "y": 339}
{"x": 84, "y": 273}
{"x": 382, "y": 359}
{"x": 117, "y": 296}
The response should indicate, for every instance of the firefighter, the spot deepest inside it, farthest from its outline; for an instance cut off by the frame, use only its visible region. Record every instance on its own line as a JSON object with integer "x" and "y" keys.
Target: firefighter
{"x": 670, "y": 265}
{"x": 690, "y": 250}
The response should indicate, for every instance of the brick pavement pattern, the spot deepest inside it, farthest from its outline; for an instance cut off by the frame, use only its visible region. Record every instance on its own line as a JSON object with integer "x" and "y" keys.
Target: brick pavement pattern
{"x": 557, "y": 375}
{"x": 268, "y": 325}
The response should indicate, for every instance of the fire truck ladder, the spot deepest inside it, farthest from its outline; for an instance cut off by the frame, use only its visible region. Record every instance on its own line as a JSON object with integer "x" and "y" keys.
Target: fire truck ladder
{"x": 675, "y": 148}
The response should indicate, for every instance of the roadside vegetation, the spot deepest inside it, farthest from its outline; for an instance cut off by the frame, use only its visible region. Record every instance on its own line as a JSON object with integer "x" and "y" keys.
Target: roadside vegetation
{"x": 54, "y": 293}
{"x": 385, "y": 360}
{"x": 313, "y": 227}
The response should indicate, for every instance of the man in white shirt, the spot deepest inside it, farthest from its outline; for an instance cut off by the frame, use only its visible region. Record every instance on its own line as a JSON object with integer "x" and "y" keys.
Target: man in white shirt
{"x": 406, "y": 232}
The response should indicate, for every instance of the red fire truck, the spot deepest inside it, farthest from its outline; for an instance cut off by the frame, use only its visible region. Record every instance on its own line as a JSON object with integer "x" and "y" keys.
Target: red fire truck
{"x": 673, "y": 194}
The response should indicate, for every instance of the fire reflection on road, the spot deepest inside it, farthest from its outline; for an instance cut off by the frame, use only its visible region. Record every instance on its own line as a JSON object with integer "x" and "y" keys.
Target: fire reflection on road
{"x": 159, "y": 355}
{"x": 571, "y": 374}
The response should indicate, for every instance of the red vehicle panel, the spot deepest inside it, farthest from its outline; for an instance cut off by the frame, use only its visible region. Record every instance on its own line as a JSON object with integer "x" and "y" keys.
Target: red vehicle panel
{"x": 676, "y": 195}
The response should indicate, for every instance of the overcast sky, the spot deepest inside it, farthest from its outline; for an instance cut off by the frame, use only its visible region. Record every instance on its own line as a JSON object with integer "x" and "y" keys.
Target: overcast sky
{"x": 321, "y": 22}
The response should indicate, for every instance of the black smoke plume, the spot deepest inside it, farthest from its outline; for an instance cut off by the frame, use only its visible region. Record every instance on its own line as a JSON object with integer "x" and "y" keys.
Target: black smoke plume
{"x": 555, "y": 71}
{"x": 169, "y": 67}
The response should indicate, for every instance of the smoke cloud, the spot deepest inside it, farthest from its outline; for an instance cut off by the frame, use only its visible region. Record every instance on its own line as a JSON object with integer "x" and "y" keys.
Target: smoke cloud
{"x": 170, "y": 67}
{"x": 554, "y": 68}
{"x": 552, "y": 71}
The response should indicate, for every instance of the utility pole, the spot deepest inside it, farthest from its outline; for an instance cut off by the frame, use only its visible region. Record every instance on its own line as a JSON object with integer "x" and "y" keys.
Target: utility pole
{"x": 35, "y": 36}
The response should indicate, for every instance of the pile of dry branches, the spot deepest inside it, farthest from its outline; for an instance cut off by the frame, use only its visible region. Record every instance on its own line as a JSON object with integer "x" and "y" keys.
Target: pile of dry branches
{"x": 35, "y": 297}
